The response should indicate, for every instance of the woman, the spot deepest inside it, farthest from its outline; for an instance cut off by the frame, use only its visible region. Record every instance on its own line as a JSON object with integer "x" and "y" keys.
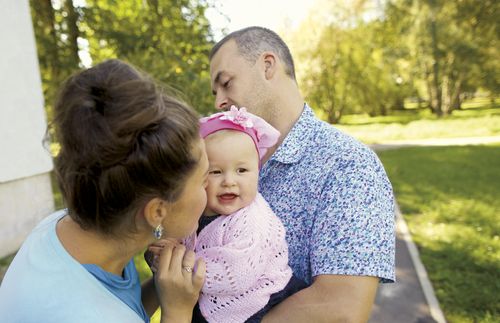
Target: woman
{"x": 132, "y": 169}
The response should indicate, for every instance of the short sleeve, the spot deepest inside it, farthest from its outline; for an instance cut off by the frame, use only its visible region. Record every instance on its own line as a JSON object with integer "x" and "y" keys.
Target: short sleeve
{"x": 354, "y": 229}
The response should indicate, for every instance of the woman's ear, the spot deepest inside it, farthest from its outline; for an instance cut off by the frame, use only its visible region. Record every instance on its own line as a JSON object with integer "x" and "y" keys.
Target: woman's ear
{"x": 270, "y": 64}
{"x": 155, "y": 211}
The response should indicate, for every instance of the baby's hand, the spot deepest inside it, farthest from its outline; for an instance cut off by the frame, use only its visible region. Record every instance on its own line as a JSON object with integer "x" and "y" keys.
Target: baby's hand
{"x": 179, "y": 279}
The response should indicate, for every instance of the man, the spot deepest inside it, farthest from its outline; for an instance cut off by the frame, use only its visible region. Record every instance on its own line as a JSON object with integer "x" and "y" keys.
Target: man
{"x": 330, "y": 191}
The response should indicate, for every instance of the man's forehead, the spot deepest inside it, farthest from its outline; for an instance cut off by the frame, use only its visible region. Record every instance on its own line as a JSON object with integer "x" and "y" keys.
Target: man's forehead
{"x": 216, "y": 70}
{"x": 223, "y": 60}
{"x": 229, "y": 47}
{"x": 227, "y": 52}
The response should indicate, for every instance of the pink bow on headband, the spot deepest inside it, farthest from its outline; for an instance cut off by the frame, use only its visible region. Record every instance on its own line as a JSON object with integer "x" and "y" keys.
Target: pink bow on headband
{"x": 262, "y": 133}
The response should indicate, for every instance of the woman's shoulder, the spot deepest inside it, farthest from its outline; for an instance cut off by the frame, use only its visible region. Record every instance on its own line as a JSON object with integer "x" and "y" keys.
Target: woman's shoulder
{"x": 42, "y": 288}
{"x": 51, "y": 219}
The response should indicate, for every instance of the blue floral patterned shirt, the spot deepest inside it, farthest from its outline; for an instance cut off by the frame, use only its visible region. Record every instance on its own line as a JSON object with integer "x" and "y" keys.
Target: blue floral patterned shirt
{"x": 335, "y": 201}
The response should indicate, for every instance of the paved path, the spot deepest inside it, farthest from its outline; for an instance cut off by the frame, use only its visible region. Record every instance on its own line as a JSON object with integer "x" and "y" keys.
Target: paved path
{"x": 411, "y": 299}
{"x": 405, "y": 301}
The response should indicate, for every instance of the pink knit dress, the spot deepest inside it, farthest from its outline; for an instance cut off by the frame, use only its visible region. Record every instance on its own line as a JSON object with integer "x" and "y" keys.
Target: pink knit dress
{"x": 247, "y": 260}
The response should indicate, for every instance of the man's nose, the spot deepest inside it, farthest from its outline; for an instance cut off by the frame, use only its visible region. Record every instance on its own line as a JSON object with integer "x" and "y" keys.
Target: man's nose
{"x": 221, "y": 102}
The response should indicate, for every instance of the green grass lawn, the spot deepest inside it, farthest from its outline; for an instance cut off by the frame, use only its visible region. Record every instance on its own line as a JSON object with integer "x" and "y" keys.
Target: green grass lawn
{"x": 450, "y": 197}
{"x": 477, "y": 119}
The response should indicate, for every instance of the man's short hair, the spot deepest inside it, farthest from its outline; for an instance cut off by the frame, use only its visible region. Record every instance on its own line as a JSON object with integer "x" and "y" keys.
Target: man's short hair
{"x": 253, "y": 41}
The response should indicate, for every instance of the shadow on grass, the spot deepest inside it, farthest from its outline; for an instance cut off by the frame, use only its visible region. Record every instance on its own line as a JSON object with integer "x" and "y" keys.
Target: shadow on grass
{"x": 467, "y": 288}
{"x": 450, "y": 199}
{"x": 427, "y": 177}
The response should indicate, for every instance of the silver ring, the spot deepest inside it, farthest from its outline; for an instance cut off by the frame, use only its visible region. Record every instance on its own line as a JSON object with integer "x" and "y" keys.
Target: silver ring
{"x": 187, "y": 269}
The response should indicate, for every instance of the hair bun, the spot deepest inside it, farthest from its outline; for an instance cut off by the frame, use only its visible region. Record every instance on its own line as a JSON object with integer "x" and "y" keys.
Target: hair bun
{"x": 122, "y": 142}
{"x": 100, "y": 97}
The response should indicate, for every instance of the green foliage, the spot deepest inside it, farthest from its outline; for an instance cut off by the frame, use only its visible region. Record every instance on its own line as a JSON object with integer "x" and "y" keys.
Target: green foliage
{"x": 55, "y": 32}
{"x": 452, "y": 46}
{"x": 449, "y": 197}
{"x": 169, "y": 39}
{"x": 363, "y": 56}
{"x": 353, "y": 69}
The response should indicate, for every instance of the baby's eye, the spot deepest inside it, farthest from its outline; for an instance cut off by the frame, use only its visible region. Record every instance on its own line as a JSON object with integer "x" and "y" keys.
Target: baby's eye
{"x": 214, "y": 172}
{"x": 241, "y": 170}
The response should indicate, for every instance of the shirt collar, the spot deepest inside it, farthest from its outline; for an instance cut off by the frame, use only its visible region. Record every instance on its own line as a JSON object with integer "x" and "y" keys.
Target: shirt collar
{"x": 295, "y": 143}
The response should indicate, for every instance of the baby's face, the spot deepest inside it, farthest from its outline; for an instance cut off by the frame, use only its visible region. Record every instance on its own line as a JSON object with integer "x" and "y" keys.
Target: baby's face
{"x": 233, "y": 171}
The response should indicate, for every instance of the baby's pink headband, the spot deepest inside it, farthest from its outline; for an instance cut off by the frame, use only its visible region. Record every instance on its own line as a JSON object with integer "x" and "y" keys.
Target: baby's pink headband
{"x": 262, "y": 133}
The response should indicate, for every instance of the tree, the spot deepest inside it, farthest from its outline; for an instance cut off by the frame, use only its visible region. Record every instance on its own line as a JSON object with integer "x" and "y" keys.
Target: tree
{"x": 169, "y": 39}
{"x": 351, "y": 67}
{"x": 360, "y": 56}
{"x": 453, "y": 46}
{"x": 56, "y": 34}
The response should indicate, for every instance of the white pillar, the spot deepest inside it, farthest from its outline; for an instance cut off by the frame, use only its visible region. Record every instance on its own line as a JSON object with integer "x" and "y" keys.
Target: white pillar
{"x": 25, "y": 188}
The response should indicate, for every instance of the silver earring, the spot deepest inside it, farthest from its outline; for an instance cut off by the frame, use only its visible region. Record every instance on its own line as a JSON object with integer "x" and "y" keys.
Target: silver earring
{"x": 158, "y": 232}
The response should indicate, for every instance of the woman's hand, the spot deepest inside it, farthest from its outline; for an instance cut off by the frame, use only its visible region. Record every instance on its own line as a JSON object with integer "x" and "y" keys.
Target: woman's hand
{"x": 178, "y": 278}
{"x": 154, "y": 250}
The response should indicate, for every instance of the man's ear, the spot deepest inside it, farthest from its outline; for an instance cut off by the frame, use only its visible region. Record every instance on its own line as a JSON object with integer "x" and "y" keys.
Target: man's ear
{"x": 270, "y": 64}
{"x": 155, "y": 211}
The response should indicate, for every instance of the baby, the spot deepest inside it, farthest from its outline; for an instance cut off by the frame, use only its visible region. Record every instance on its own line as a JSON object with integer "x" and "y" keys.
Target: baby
{"x": 240, "y": 238}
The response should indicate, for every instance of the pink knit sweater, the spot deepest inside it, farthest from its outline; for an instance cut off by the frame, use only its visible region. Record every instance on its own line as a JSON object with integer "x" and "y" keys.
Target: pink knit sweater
{"x": 247, "y": 261}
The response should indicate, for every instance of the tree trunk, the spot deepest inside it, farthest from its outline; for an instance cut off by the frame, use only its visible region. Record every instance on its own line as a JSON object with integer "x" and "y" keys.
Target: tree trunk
{"x": 435, "y": 66}
{"x": 73, "y": 33}
{"x": 48, "y": 16}
{"x": 430, "y": 92}
{"x": 456, "y": 96}
{"x": 383, "y": 110}
{"x": 445, "y": 96}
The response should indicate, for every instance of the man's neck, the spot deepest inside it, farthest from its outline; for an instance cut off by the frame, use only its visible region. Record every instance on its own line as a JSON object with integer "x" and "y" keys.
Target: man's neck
{"x": 288, "y": 106}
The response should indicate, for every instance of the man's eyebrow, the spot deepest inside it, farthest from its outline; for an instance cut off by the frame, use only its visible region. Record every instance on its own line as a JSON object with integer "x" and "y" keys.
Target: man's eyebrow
{"x": 216, "y": 80}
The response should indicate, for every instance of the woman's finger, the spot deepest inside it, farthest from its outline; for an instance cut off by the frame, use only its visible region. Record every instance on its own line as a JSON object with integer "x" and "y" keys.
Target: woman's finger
{"x": 199, "y": 274}
{"x": 177, "y": 257}
{"x": 154, "y": 264}
{"x": 155, "y": 250}
{"x": 165, "y": 259}
{"x": 163, "y": 242}
{"x": 188, "y": 263}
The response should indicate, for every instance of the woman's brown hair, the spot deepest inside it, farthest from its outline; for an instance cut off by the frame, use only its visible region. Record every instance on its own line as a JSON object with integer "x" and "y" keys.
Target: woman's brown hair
{"x": 123, "y": 141}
